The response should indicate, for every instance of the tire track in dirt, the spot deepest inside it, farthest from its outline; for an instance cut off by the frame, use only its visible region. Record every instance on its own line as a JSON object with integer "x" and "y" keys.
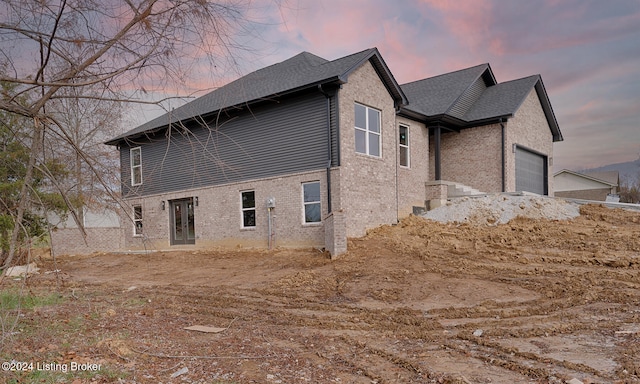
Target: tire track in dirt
{"x": 530, "y": 301}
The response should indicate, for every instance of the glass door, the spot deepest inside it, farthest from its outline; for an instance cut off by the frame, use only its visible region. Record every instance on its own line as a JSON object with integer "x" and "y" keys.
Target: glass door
{"x": 182, "y": 222}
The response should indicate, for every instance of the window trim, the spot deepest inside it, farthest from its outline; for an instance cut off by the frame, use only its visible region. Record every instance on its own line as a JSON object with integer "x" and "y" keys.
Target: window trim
{"x": 243, "y": 210}
{"x": 407, "y": 146}
{"x": 137, "y": 220}
{"x": 305, "y": 203}
{"x": 134, "y": 167}
{"x": 367, "y": 131}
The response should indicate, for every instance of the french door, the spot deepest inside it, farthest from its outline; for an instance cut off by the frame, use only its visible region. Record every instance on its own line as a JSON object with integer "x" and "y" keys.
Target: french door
{"x": 182, "y": 222}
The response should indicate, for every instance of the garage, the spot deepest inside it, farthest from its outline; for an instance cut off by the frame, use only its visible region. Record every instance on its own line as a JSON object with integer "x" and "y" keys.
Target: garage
{"x": 531, "y": 171}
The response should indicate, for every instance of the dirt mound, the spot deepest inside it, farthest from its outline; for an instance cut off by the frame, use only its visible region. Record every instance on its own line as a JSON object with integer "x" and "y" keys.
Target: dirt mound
{"x": 501, "y": 208}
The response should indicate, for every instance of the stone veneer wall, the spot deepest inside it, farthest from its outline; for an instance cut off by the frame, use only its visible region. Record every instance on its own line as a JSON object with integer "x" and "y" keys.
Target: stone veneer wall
{"x": 528, "y": 128}
{"x": 218, "y": 217}
{"x": 368, "y": 194}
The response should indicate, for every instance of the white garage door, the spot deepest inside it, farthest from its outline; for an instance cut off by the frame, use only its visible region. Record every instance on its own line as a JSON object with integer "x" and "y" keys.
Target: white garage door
{"x": 531, "y": 172}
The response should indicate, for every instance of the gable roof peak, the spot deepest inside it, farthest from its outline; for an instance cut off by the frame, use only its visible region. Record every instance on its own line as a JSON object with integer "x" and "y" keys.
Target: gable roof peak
{"x": 301, "y": 72}
{"x": 307, "y": 58}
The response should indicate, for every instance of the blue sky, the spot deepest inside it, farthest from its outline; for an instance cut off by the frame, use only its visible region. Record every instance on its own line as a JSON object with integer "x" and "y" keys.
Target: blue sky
{"x": 588, "y": 53}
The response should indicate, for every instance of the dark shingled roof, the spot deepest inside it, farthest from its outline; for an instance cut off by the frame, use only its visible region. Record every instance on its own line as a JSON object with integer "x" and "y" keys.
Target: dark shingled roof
{"x": 463, "y": 98}
{"x": 302, "y": 71}
{"x": 440, "y": 98}
{"x": 502, "y": 99}
{"x": 435, "y": 95}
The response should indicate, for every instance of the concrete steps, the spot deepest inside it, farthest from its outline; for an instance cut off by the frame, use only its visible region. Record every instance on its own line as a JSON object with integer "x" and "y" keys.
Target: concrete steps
{"x": 437, "y": 192}
{"x": 460, "y": 190}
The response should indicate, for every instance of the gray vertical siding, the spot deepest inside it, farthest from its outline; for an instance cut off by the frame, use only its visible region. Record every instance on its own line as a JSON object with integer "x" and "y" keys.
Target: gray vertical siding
{"x": 276, "y": 138}
{"x": 335, "y": 134}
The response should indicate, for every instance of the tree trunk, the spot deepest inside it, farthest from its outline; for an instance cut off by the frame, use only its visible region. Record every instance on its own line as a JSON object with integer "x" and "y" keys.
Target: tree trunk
{"x": 79, "y": 187}
{"x": 25, "y": 191}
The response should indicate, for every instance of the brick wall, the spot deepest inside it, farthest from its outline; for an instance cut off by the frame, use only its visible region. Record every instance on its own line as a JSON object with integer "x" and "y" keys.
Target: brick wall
{"x": 71, "y": 241}
{"x": 218, "y": 217}
{"x": 411, "y": 180}
{"x": 471, "y": 157}
{"x": 368, "y": 193}
{"x": 528, "y": 128}
{"x": 587, "y": 194}
{"x": 335, "y": 233}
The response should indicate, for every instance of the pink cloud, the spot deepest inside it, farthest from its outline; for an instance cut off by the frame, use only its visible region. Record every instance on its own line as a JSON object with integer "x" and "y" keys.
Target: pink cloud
{"x": 469, "y": 22}
{"x": 355, "y": 27}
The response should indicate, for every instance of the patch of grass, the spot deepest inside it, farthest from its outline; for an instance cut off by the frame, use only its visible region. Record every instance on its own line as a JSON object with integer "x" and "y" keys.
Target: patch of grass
{"x": 11, "y": 299}
{"x": 134, "y": 302}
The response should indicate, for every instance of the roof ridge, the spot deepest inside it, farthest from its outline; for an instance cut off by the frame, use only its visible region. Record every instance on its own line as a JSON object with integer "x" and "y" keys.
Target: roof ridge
{"x": 448, "y": 73}
{"x": 538, "y": 76}
{"x": 351, "y": 54}
{"x": 586, "y": 176}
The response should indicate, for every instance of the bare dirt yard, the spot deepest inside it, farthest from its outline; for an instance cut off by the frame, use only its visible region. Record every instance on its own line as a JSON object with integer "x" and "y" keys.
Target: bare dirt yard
{"x": 530, "y": 301}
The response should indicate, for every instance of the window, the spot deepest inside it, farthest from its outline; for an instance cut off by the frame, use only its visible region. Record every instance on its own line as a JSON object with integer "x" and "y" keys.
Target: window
{"x": 311, "y": 202}
{"x": 248, "y": 209}
{"x": 137, "y": 220}
{"x": 136, "y": 166}
{"x": 404, "y": 146}
{"x": 367, "y": 130}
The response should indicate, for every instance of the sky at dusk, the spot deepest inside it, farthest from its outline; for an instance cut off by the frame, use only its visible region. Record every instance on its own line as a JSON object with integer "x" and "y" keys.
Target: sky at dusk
{"x": 587, "y": 52}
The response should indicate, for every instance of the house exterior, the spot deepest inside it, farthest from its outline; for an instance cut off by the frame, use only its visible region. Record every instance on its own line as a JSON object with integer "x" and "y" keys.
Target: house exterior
{"x": 309, "y": 152}
{"x": 586, "y": 185}
{"x": 101, "y": 232}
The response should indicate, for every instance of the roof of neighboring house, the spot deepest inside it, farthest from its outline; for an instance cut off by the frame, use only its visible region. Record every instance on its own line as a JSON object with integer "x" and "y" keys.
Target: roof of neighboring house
{"x": 608, "y": 178}
{"x": 472, "y": 96}
{"x": 302, "y": 71}
{"x": 611, "y": 177}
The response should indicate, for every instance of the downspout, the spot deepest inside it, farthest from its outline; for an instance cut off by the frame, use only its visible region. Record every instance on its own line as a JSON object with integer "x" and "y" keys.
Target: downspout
{"x": 504, "y": 167}
{"x": 397, "y": 133}
{"x": 436, "y": 144}
{"x": 329, "y": 158}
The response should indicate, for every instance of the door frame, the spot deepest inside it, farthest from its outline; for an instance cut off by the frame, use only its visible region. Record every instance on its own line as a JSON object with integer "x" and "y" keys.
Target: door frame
{"x": 184, "y": 205}
{"x": 545, "y": 166}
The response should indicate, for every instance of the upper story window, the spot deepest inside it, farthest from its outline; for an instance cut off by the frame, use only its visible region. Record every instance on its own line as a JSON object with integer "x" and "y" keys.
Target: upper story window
{"x": 367, "y": 127}
{"x": 136, "y": 165}
{"x": 137, "y": 220}
{"x": 311, "y": 202}
{"x": 403, "y": 142}
{"x": 248, "y": 209}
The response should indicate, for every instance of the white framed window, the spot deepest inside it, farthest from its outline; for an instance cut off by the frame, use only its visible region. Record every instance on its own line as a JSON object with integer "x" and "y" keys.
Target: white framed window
{"x": 135, "y": 155}
{"x": 137, "y": 220}
{"x": 248, "y": 204}
{"x": 403, "y": 143}
{"x": 367, "y": 130}
{"x": 311, "y": 202}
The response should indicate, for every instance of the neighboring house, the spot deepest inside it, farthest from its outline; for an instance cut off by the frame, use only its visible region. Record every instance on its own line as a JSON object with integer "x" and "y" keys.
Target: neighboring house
{"x": 309, "y": 152}
{"x": 587, "y": 185}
